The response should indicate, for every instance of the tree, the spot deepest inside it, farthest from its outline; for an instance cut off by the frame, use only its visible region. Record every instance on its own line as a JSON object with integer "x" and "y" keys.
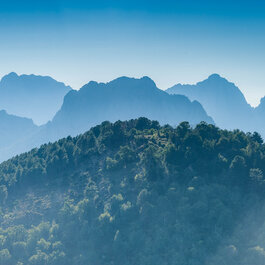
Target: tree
{"x": 238, "y": 170}
{"x": 39, "y": 258}
{"x": 257, "y": 138}
{"x": 5, "y": 257}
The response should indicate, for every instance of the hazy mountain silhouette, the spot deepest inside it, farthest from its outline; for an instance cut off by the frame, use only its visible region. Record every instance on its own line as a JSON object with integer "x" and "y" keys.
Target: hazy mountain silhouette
{"x": 121, "y": 99}
{"x": 222, "y": 100}
{"x": 14, "y": 134}
{"x": 260, "y": 109}
{"x": 259, "y": 113}
{"x": 31, "y": 96}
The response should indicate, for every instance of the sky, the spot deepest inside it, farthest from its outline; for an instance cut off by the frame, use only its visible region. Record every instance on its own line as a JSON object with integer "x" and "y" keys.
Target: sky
{"x": 169, "y": 41}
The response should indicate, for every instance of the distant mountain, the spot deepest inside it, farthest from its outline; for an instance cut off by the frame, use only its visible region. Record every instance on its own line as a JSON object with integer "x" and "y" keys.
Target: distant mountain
{"x": 121, "y": 99}
{"x": 222, "y": 100}
{"x": 31, "y": 96}
{"x": 14, "y": 132}
{"x": 259, "y": 113}
{"x": 260, "y": 109}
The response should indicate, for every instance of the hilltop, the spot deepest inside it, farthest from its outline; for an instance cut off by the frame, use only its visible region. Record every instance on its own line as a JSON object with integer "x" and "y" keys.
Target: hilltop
{"x": 136, "y": 192}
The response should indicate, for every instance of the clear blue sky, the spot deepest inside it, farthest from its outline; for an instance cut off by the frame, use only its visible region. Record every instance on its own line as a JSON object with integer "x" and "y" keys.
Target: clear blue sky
{"x": 170, "y": 41}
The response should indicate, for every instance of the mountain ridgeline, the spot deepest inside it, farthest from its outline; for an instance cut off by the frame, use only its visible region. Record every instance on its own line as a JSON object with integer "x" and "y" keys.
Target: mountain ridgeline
{"x": 31, "y": 96}
{"x": 122, "y": 99}
{"x": 225, "y": 103}
{"x": 214, "y": 100}
{"x": 135, "y": 192}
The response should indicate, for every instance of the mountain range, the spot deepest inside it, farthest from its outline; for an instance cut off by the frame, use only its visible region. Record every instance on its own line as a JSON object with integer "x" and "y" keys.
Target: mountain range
{"x": 135, "y": 192}
{"x": 31, "y": 96}
{"x": 122, "y": 99}
{"x": 214, "y": 100}
{"x": 225, "y": 103}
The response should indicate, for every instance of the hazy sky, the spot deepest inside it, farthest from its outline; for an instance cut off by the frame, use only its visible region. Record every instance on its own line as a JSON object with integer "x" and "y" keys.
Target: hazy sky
{"x": 170, "y": 41}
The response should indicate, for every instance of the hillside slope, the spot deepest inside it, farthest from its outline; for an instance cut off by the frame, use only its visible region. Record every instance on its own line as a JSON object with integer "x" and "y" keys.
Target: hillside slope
{"x": 136, "y": 193}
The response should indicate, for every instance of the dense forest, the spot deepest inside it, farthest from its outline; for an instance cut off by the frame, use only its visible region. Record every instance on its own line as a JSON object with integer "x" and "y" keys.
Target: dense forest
{"x": 135, "y": 192}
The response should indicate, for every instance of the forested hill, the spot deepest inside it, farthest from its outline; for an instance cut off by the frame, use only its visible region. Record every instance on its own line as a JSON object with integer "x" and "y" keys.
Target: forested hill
{"x": 136, "y": 192}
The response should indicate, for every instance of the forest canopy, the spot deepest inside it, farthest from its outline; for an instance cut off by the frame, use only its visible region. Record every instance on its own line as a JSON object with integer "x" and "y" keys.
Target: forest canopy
{"x": 135, "y": 192}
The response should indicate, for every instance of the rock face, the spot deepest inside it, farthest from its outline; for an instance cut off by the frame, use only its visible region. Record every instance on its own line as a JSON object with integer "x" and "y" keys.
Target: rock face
{"x": 222, "y": 100}
{"x": 31, "y": 96}
{"x": 122, "y": 99}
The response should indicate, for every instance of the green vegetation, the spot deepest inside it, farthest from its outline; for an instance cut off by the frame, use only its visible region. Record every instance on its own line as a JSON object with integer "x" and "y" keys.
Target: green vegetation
{"x": 136, "y": 193}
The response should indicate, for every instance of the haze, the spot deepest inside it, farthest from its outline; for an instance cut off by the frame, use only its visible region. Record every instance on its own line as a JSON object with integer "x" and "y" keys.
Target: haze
{"x": 177, "y": 41}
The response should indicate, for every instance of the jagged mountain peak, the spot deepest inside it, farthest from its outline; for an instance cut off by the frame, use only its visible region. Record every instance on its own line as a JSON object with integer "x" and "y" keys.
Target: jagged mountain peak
{"x": 124, "y": 83}
{"x": 10, "y": 75}
{"x": 221, "y": 99}
{"x": 30, "y": 78}
{"x": 218, "y": 82}
{"x": 214, "y": 76}
{"x": 9, "y": 78}
{"x": 124, "y": 80}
